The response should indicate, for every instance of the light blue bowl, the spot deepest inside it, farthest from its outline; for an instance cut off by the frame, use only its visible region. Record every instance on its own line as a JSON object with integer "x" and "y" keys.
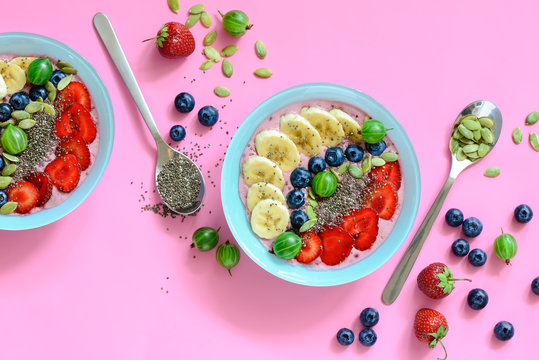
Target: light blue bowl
{"x": 235, "y": 212}
{"x": 32, "y": 44}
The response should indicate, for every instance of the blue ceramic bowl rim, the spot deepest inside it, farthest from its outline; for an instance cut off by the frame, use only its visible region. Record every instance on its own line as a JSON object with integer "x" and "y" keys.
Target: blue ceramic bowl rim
{"x": 235, "y": 212}
{"x": 20, "y": 43}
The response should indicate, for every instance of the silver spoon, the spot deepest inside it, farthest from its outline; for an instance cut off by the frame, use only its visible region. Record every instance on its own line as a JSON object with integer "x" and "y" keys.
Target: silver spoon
{"x": 164, "y": 151}
{"x": 393, "y": 288}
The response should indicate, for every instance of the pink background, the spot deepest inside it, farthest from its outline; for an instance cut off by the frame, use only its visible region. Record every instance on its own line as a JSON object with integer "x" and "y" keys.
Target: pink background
{"x": 111, "y": 282}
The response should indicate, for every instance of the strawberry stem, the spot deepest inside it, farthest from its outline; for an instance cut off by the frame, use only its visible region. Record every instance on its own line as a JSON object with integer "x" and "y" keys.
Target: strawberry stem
{"x": 155, "y": 37}
{"x": 470, "y": 280}
{"x": 445, "y": 351}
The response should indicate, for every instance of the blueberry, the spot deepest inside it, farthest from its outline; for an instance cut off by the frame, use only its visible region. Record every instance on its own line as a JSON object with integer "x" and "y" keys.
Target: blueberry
{"x": 460, "y": 247}
{"x": 369, "y": 317}
{"x": 3, "y": 197}
{"x": 535, "y": 286}
{"x": 301, "y": 178}
{"x": 377, "y": 148}
{"x": 37, "y": 91}
{"x": 477, "y": 299}
{"x": 472, "y": 227}
{"x": 295, "y": 199}
{"x": 334, "y": 156}
{"x": 2, "y": 163}
{"x": 367, "y": 337}
{"x": 354, "y": 153}
{"x": 523, "y": 213}
{"x": 19, "y": 100}
{"x": 298, "y": 218}
{"x": 56, "y": 76}
{"x": 184, "y": 102}
{"x": 291, "y": 230}
{"x": 177, "y": 133}
{"x": 477, "y": 257}
{"x": 5, "y": 112}
{"x": 345, "y": 336}
{"x": 504, "y": 330}
{"x": 454, "y": 217}
{"x": 316, "y": 164}
{"x": 208, "y": 115}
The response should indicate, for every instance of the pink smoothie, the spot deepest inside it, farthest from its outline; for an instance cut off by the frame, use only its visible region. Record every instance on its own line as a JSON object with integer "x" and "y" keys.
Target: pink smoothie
{"x": 272, "y": 122}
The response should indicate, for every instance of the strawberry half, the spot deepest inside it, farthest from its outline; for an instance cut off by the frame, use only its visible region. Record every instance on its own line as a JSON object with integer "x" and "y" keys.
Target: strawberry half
{"x": 43, "y": 183}
{"x": 390, "y": 172}
{"x": 64, "y": 172}
{"x": 430, "y": 327}
{"x": 77, "y": 146}
{"x": 436, "y": 281}
{"x": 311, "y": 247}
{"x": 336, "y": 245}
{"x": 382, "y": 198}
{"x": 25, "y": 194}
{"x": 76, "y": 120}
{"x": 73, "y": 93}
{"x": 362, "y": 224}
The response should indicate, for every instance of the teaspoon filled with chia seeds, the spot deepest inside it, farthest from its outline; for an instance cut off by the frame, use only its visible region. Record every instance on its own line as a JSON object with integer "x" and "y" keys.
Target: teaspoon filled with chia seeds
{"x": 179, "y": 181}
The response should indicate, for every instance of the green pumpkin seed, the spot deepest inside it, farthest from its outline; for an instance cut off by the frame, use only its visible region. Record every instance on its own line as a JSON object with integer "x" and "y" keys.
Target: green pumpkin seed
{"x": 312, "y": 202}
{"x": 470, "y": 148}
{"x": 52, "y": 95}
{"x": 337, "y": 175}
{"x": 27, "y": 124}
{"x": 207, "y": 64}
{"x": 34, "y": 107}
{"x": 487, "y": 122}
{"x": 310, "y": 212}
{"x": 69, "y": 70}
{"x": 196, "y": 9}
{"x": 468, "y": 117}
{"x": 192, "y": 20}
{"x": 366, "y": 164}
{"x": 174, "y": 5}
{"x": 532, "y": 118}
{"x": 483, "y": 150}
{"x": 263, "y": 72}
{"x": 64, "y": 82}
{"x": 212, "y": 54}
{"x": 486, "y": 134}
{"x": 229, "y": 50}
{"x": 9, "y": 157}
{"x": 5, "y": 181}
{"x": 210, "y": 38}
{"x": 456, "y": 134}
{"x": 473, "y": 155}
{"x": 227, "y": 68}
{"x": 6, "y": 123}
{"x": 307, "y": 225}
{"x": 20, "y": 115}
{"x": 355, "y": 171}
{"x": 63, "y": 64}
{"x": 9, "y": 170}
{"x": 8, "y": 207}
{"x": 466, "y": 141}
{"x": 260, "y": 49}
{"x": 49, "y": 86}
{"x": 342, "y": 169}
{"x": 460, "y": 155}
{"x": 205, "y": 19}
{"x": 311, "y": 194}
{"x": 517, "y": 136}
{"x": 453, "y": 145}
{"x": 377, "y": 161}
{"x": 49, "y": 109}
{"x": 534, "y": 141}
{"x": 39, "y": 99}
{"x": 465, "y": 132}
{"x": 492, "y": 172}
{"x": 471, "y": 124}
{"x": 390, "y": 156}
{"x": 221, "y": 91}
{"x": 477, "y": 135}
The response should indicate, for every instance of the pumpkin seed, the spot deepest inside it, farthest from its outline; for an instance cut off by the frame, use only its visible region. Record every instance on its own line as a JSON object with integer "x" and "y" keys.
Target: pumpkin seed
{"x": 227, "y": 68}
{"x": 517, "y": 135}
{"x": 471, "y": 124}
{"x": 477, "y": 135}
{"x": 312, "y": 202}
{"x": 49, "y": 86}
{"x": 205, "y": 19}
{"x": 337, "y": 175}
{"x": 468, "y": 117}
{"x": 62, "y": 64}
{"x": 486, "y": 134}
{"x": 487, "y": 122}
{"x": 20, "y": 115}
{"x": 49, "y": 109}
{"x": 307, "y": 225}
{"x": 64, "y": 82}
{"x": 492, "y": 172}
{"x": 453, "y": 145}
{"x": 212, "y": 54}
{"x": 174, "y": 5}
{"x": 196, "y": 9}
{"x": 311, "y": 194}
{"x": 310, "y": 212}
{"x": 10, "y": 157}
{"x": 260, "y": 49}
{"x": 39, "y": 99}
{"x": 207, "y": 64}
{"x": 534, "y": 141}
{"x": 456, "y": 134}
{"x": 69, "y": 70}
{"x": 221, "y": 91}
{"x": 377, "y": 161}
{"x": 342, "y": 169}
{"x": 6, "y": 123}
{"x": 34, "y": 107}
{"x": 470, "y": 148}
{"x": 466, "y": 141}
{"x": 483, "y": 150}
{"x": 192, "y": 20}
{"x": 473, "y": 155}
{"x": 366, "y": 164}
{"x": 263, "y": 72}
{"x": 229, "y": 50}
{"x": 532, "y": 118}
{"x": 52, "y": 95}
{"x": 5, "y": 181}
{"x": 355, "y": 171}
{"x": 210, "y": 38}
{"x": 8, "y": 207}
{"x": 27, "y": 124}
{"x": 390, "y": 156}
{"x": 465, "y": 132}
{"x": 460, "y": 155}
{"x": 9, "y": 170}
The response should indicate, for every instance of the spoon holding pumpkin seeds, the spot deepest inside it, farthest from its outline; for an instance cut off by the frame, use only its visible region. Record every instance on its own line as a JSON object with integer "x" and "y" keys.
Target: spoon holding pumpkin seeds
{"x": 474, "y": 133}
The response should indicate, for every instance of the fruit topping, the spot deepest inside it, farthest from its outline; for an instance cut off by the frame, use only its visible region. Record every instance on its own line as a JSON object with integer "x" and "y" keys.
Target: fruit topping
{"x": 382, "y": 198}
{"x": 298, "y": 218}
{"x": 472, "y": 227}
{"x": 269, "y": 218}
{"x": 504, "y": 330}
{"x": 3, "y": 197}
{"x": 262, "y": 190}
{"x": 205, "y": 238}
{"x": 14, "y": 139}
{"x": 75, "y": 92}
{"x": 260, "y": 169}
{"x": 376, "y": 148}
{"x": 37, "y": 91}
{"x": 535, "y": 286}
{"x": 436, "y": 281}
{"x": 208, "y": 115}
{"x": 64, "y": 172}
{"x": 367, "y": 337}
{"x": 76, "y": 120}
{"x": 373, "y": 131}
{"x": 311, "y": 247}
{"x": 329, "y": 128}
{"x": 5, "y": 112}
{"x": 363, "y": 226}
{"x": 56, "y": 76}
{"x": 389, "y": 172}
{"x": 287, "y": 245}
{"x": 523, "y": 213}
{"x": 477, "y": 299}
{"x": 39, "y": 71}
{"x": 228, "y": 255}
{"x": 505, "y": 247}
{"x": 76, "y": 146}
{"x": 295, "y": 199}
{"x": 19, "y": 100}
{"x": 316, "y": 164}
{"x": 336, "y": 245}
{"x": 235, "y": 23}
{"x": 301, "y": 178}
{"x": 454, "y": 217}
{"x": 334, "y": 156}
{"x": 43, "y": 184}
{"x": 302, "y": 133}
{"x": 324, "y": 183}
{"x": 345, "y": 336}
{"x": 354, "y": 153}
{"x": 24, "y": 194}
{"x": 13, "y": 76}
{"x": 369, "y": 317}
{"x": 460, "y": 247}
{"x": 430, "y": 327}
{"x": 349, "y": 125}
{"x": 477, "y": 257}
{"x": 184, "y": 102}
{"x": 177, "y": 133}
{"x": 174, "y": 40}
{"x": 277, "y": 147}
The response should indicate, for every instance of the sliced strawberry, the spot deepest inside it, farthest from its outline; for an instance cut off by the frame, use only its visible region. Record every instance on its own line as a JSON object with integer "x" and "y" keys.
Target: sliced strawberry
{"x": 77, "y": 146}
{"x": 311, "y": 247}
{"x": 73, "y": 93}
{"x": 64, "y": 172}
{"x": 336, "y": 245}
{"x": 382, "y": 198}
{"x": 390, "y": 172}
{"x": 62, "y": 125}
{"x": 43, "y": 183}
{"x": 363, "y": 226}
{"x": 25, "y": 194}
{"x": 76, "y": 120}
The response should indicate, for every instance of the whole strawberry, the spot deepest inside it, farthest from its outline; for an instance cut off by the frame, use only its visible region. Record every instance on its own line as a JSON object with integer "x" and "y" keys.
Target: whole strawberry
{"x": 174, "y": 40}
{"x": 430, "y": 327}
{"x": 436, "y": 281}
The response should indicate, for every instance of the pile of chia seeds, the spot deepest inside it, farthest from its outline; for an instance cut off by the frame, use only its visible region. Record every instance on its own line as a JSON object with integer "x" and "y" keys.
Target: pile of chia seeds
{"x": 178, "y": 183}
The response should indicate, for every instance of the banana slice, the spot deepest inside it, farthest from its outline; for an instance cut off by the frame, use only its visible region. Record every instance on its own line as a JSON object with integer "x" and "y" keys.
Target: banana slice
{"x": 261, "y": 191}
{"x": 330, "y": 129}
{"x": 269, "y": 219}
{"x": 350, "y": 126}
{"x": 302, "y": 133}
{"x": 3, "y": 88}
{"x": 23, "y": 61}
{"x": 259, "y": 169}
{"x": 277, "y": 147}
{"x": 13, "y": 75}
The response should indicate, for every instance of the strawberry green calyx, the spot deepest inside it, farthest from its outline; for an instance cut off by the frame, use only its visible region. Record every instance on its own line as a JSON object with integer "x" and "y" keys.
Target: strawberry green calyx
{"x": 447, "y": 281}
{"x": 162, "y": 34}
{"x": 438, "y": 336}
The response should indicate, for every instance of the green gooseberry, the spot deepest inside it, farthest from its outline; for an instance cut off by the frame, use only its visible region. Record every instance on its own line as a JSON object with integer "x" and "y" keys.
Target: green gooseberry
{"x": 228, "y": 255}
{"x": 287, "y": 245}
{"x": 505, "y": 247}
{"x": 39, "y": 71}
{"x": 205, "y": 238}
{"x": 14, "y": 139}
{"x": 373, "y": 131}
{"x": 324, "y": 183}
{"x": 235, "y": 23}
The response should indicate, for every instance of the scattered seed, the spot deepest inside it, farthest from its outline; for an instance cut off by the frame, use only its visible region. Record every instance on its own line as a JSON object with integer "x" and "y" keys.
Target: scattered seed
{"x": 391, "y": 156}
{"x": 311, "y": 194}
{"x": 5, "y": 181}
{"x": 207, "y": 64}
{"x": 227, "y": 68}
{"x": 9, "y": 170}
{"x": 205, "y": 19}
{"x": 196, "y": 9}
{"x": 34, "y": 107}
{"x": 221, "y": 91}
{"x": 532, "y": 118}
{"x": 6, "y": 123}
{"x": 69, "y": 70}
{"x": 10, "y": 157}
{"x": 8, "y": 207}
{"x": 492, "y": 172}
{"x": 20, "y": 115}
{"x": 366, "y": 164}
{"x": 310, "y": 212}
{"x": 210, "y": 38}
{"x": 517, "y": 135}
{"x": 229, "y": 50}
{"x": 377, "y": 161}
{"x": 355, "y": 171}
{"x": 174, "y": 5}
{"x": 263, "y": 72}
{"x": 337, "y": 175}
{"x": 63, "y": 64}
{"x": 260, "y": 49}
{"x": 49, "y": 109}
{"x": 312, "y": 202}
{"x": 49, "y": 86}
{"x": 534, "y": 141}
{"x": 52, "y": 95}
{"x": 342, "y": 169}
{"x": 27, "y": 124}
{"x": 192, "y": 20}
{"x": 64, "y": 82}
{"x": 307, "y": 225}
{"x": 212, "y": 54}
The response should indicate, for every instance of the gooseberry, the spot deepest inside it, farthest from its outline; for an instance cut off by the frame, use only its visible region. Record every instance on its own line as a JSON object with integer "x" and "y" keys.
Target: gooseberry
{"x": 236, "y": 22}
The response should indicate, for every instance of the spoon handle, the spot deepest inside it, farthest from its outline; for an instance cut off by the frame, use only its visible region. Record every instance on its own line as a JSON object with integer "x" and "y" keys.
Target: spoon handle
{"x": 396, "y": 282}
{"x": 106, "y": 32}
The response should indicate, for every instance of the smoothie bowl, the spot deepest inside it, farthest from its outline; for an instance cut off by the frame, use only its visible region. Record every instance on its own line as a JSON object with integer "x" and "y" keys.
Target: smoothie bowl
{"x": 307, "y": 198}
{"x": 57, "y": 130}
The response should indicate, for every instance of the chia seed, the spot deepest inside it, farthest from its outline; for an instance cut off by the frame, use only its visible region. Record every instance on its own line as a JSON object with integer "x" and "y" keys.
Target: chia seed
{"x": 178, "y": 183}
